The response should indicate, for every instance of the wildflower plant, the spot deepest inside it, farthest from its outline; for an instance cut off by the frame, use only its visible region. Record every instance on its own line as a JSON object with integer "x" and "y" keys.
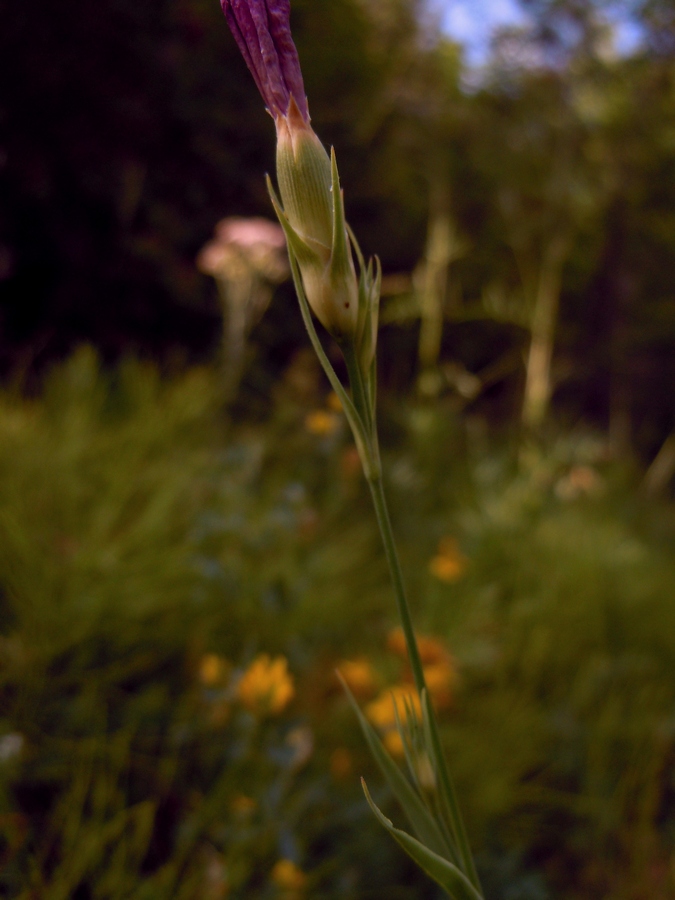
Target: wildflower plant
{"x": 245, "y": 257}
{"x": 321, "y": 249}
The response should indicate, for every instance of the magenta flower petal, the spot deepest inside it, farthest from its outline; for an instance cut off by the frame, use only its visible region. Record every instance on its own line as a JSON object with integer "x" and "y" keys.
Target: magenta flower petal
{"x": 262, "y": 31}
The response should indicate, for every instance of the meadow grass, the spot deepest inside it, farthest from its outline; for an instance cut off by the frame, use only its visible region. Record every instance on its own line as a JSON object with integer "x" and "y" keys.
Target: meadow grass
{"x": 177, "y": 591}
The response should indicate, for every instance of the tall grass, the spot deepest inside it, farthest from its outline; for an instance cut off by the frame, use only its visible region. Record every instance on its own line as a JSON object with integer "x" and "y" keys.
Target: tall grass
{"x": 141, "y": 538}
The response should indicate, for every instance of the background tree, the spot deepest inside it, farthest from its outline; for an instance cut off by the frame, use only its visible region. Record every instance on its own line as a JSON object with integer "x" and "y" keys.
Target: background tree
{"x": 127, "y": 130}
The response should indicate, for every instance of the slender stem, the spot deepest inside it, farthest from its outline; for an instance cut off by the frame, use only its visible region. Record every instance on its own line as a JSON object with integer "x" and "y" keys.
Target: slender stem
{"x": 383, "y": 520}
{"x": 366, "y": 446}
{"x": 356, "y": 382}
{"x": 454, "y": 814}
{"x": 456, "y": 822}
{"x": 360, "y": 411}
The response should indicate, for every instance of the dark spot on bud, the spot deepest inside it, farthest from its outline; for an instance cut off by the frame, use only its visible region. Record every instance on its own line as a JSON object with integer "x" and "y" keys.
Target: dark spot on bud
{"x": 347, "y": 305}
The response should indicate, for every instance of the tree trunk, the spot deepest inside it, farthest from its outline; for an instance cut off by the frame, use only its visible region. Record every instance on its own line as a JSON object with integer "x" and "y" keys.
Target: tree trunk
{"x": 544, "y": 317}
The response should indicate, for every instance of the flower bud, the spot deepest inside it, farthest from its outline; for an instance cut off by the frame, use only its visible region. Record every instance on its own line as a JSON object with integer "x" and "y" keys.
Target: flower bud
{"x": 314, "y": 222}
{"x": 313, "y": 214}
{"x": 304, "y": 177}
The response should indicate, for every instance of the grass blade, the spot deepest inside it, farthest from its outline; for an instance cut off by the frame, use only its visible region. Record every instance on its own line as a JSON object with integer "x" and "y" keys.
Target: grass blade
{"x": 421, "y": 820}
{"x": 443, "y": 872}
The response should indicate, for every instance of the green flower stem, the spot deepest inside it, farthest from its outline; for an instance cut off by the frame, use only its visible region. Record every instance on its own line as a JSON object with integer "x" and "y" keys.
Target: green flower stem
{"x": 356, "y": 382}
{"x": 359, "y": 407}
{"x": 456, "y": 821}
{"x": 383, "y": 520}
{"x": 366, "y": 445}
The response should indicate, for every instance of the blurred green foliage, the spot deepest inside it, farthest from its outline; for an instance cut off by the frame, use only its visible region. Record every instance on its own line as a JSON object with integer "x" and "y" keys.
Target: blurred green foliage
{"x": 150, "y": 535}
{"x": 145, "y": 542}
{"x": 130, "y": 129}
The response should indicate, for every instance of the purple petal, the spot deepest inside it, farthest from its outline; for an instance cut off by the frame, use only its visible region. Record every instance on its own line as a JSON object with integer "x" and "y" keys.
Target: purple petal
{"x": 262, "y": 31}
{"x": 243, "y": 29}
{"x": 279, "y": 13}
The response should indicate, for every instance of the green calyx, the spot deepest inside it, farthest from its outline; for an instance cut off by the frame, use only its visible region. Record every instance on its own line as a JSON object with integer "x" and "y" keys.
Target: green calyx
{"x": 321, "y": 248}
{"x": 305, "y": 179}
{"x": 314, "y": 222}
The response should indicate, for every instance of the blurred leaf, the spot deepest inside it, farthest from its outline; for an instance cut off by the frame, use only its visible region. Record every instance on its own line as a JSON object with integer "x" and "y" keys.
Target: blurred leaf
{"x": 414, "y": 807}
{"x": 443, "y": 872}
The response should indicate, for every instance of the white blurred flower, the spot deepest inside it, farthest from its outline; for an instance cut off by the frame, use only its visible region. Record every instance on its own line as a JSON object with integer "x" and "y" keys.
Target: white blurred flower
{"x": 10, "y": 746}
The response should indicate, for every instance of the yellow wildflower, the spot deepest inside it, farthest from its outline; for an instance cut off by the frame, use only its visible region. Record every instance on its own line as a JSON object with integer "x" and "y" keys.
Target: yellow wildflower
{"x": 212, "y": 669}
{"x": 358, "y": 673}
{"x": 449, "y": 564}
{"x": 396, "y": 642}
{"x": 393, "y": 741}
{"x": 441, "y": 678}
{"x": 440, "y": 670}
{"x": 287, "y": 876}
{"x": 266, "y": 687}
{"x": 431, "y": 649}
{"x": 322, "y": 423}
{"x": 400, "y": 697}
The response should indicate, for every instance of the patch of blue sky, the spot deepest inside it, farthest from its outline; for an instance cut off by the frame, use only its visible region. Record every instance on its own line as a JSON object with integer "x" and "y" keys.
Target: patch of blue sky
{"x": 474, "y": 22}
{"x": 628, "y": 34}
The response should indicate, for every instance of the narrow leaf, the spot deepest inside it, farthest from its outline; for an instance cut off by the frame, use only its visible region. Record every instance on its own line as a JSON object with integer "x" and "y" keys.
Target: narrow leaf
{"x": 357, "y": 248}
{"x": 419, "y": 816}
{"x": 444, "y": 873}
{"x": 303, "y": 253}
{"x": 340, "y": 260}
{"x": 446, "y": 790}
